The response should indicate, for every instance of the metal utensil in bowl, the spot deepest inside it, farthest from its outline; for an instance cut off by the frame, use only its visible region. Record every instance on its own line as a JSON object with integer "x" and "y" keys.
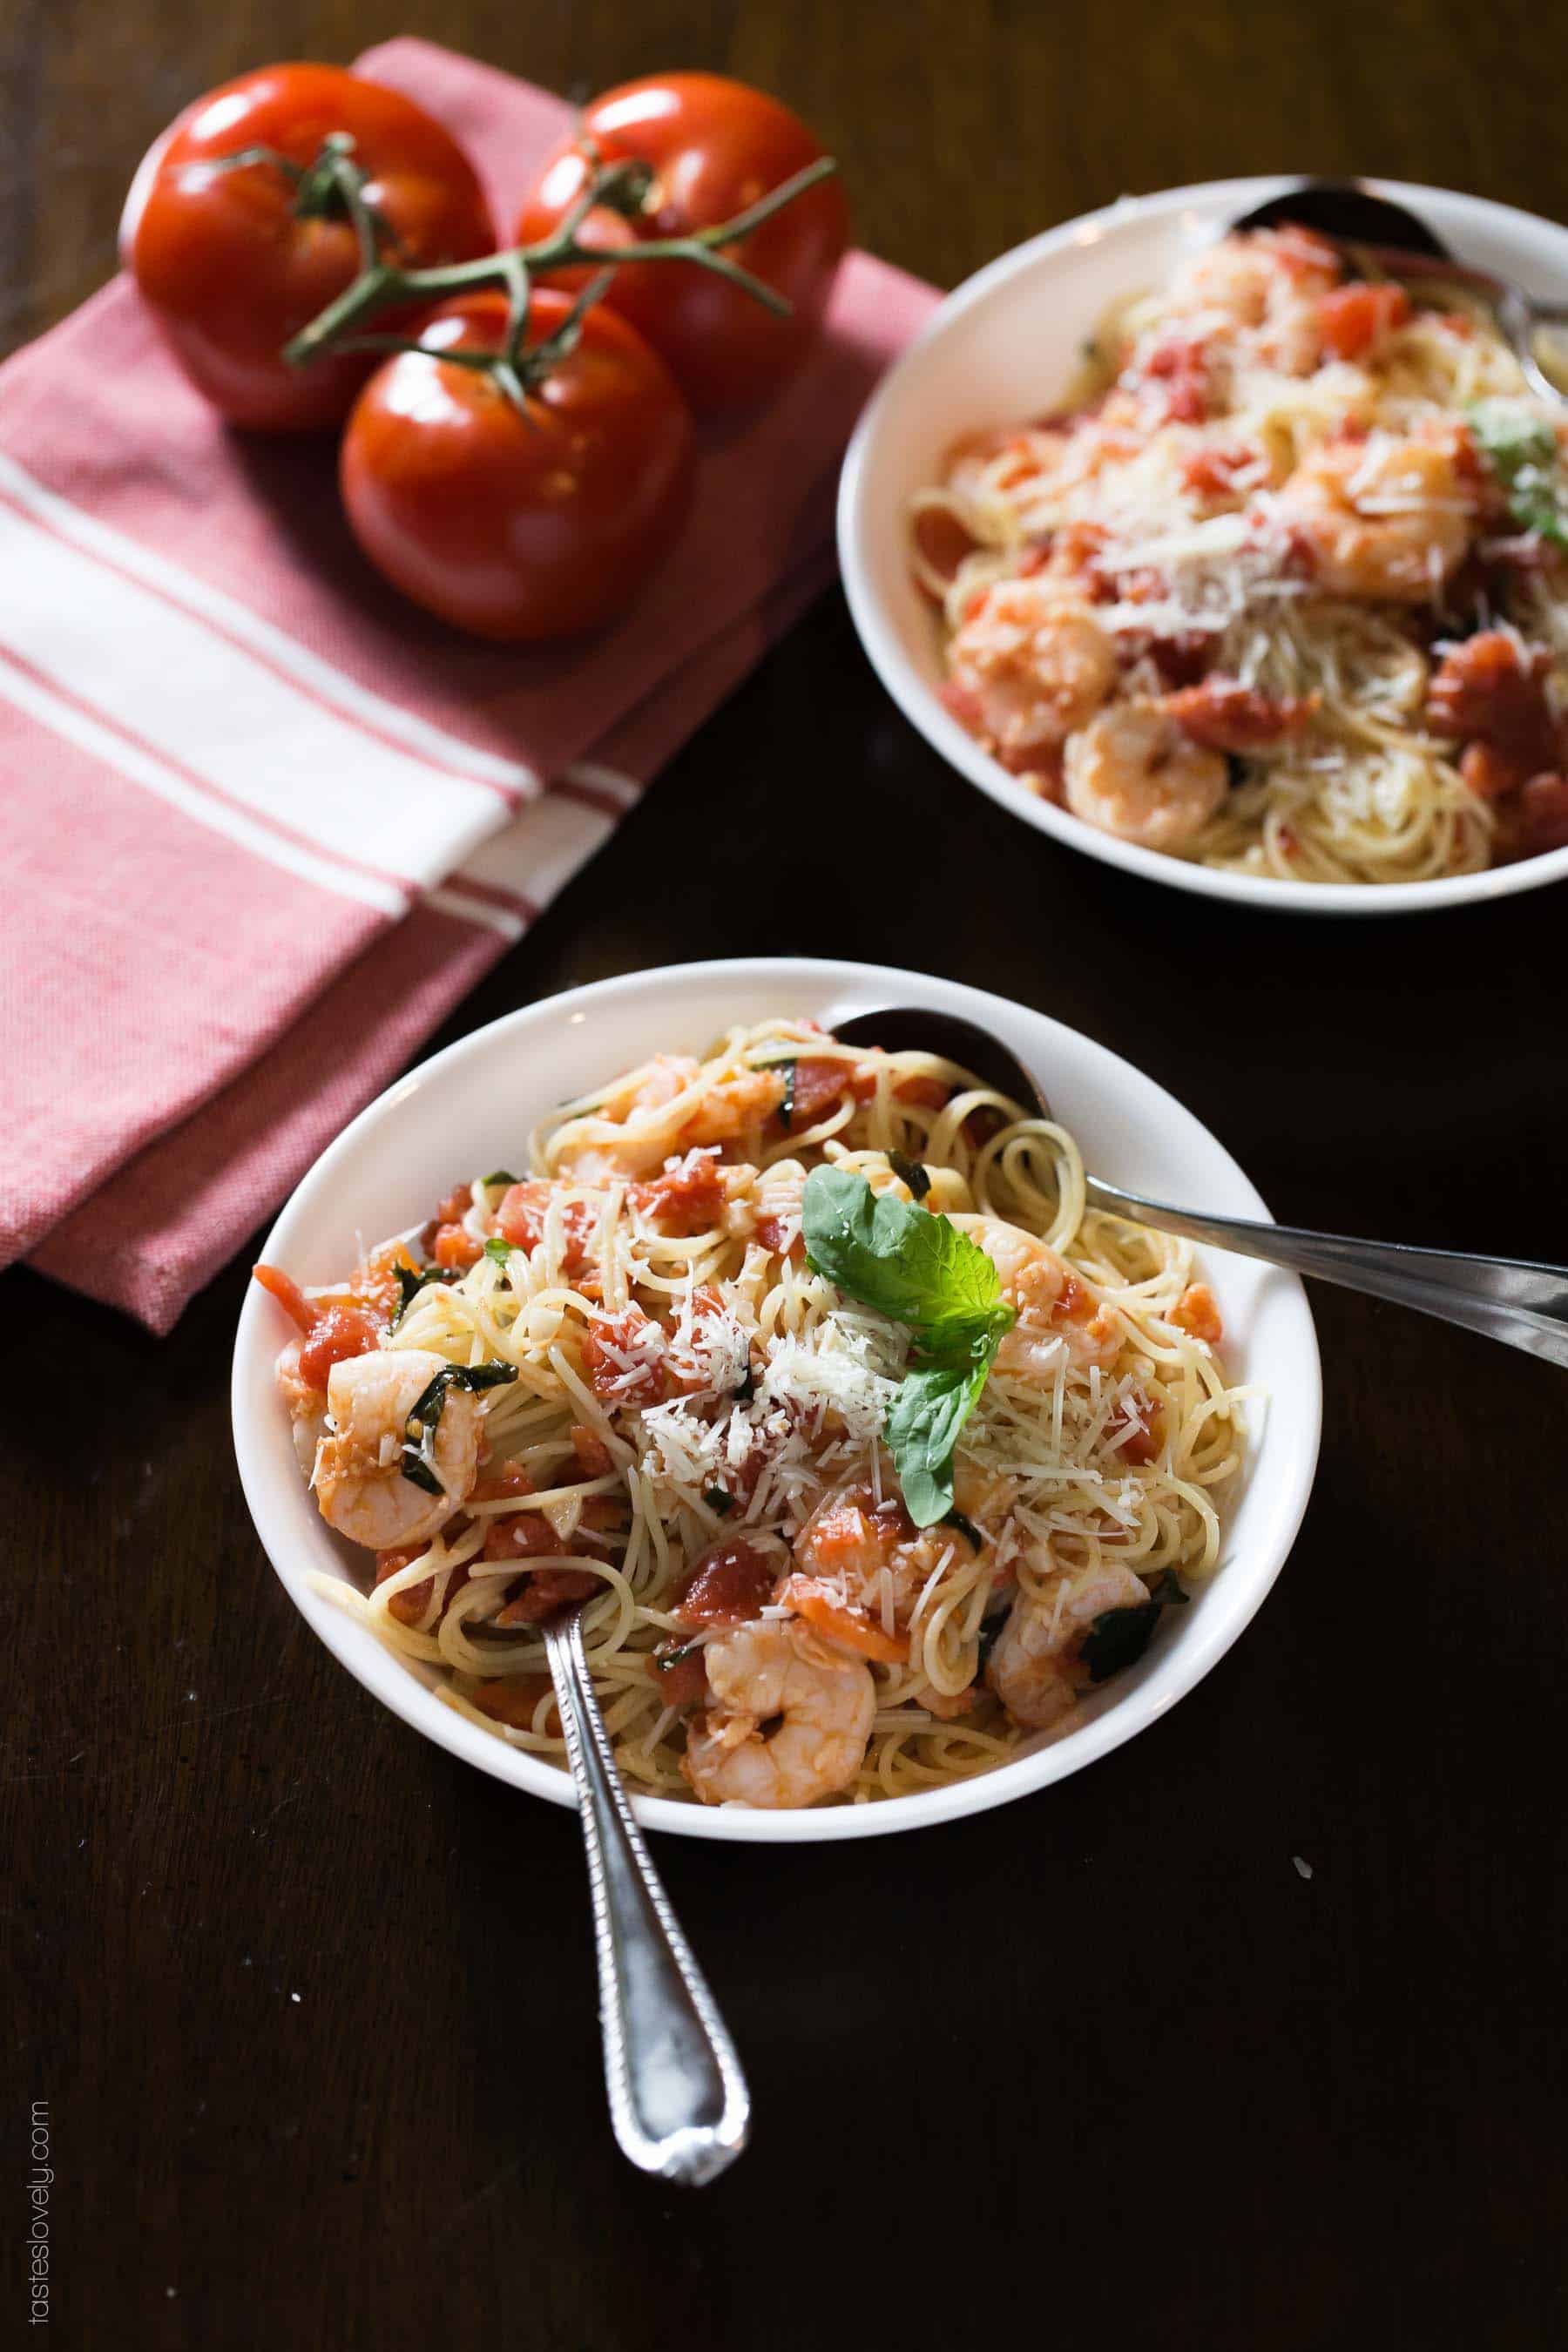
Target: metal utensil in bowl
{"x": 678, "y": 2103}
{"x": 1511, "y": 1299}
{"x": 1370, "y": 228}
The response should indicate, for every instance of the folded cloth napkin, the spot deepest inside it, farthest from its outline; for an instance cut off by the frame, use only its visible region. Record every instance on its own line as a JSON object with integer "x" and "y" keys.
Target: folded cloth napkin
{"x": 266, "y": 823}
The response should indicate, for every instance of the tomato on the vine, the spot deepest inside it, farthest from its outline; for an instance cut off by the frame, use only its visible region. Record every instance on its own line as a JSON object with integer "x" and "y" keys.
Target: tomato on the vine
{"x": 235, "y": 259}
{"x": 521, "y": 527}
{"x": 715, "y": 147}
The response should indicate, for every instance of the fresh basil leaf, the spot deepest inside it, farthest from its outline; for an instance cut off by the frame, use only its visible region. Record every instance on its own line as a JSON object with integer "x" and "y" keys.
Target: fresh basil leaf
{"x": 904, "y": 1262}
{"x": 1168, "y": 1590}
{"x": 501, "y": 1176}
{"x": 910, "y": 1173}
{"x": 923, "y": 1423}
{"x": 409, "y": 1286}
{"x": 1119, "y": 1638}
{"x": 717, "y": 1500}
{"x": 664, "y": 1659}
{"x": 1521, "y": 451}
{"x": 498, "y": 1249}
{"x": 428, "y": 1407}
{"x": 966, "y": 1528}
{"x": 748, "y": 1388}
{"x": 786, "y": 1100}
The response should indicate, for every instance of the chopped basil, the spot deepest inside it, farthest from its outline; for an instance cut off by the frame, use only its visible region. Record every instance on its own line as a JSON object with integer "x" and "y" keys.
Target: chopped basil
{"x": 501, "y": 1176}
{"x": 717, "y": 1500}
{"x": 664, "y": 1659}
{"x": 409, "y": 1286}
{"x": 748, "y": 1388}
{"x": 1521, "y": 451}
{"x": 786, "y": 1100}
{"x": 498, "y": 1249}
{"x": 1119, "y": 1637}
{"x": 910, "y": 1173}
{"x": 428, "y": 1407}
{"x": 966, "y": 1528}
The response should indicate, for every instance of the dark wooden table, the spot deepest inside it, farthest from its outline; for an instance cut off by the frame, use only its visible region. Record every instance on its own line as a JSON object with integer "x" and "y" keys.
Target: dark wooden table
{"x": 310, "y": 2003}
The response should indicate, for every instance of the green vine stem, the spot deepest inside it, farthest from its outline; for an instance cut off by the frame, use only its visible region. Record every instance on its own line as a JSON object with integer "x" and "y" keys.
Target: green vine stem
{"x": 334, "y": 183}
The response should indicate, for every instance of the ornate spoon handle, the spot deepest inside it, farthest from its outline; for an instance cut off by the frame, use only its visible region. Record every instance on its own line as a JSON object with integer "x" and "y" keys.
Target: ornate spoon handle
{"x": 678, "y": 2102}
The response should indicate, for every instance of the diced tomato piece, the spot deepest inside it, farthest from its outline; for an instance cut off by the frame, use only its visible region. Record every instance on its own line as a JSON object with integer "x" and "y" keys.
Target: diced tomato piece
{"x": 456, "y": 1206}
{"x": 1227, "y": 716}
{"x": 728, "y": 1585}
{"x": 623, "y": 1357}
{"x": 593, "y": 1456}
{"x": 679, "y": 1673}
{"x": 686, "y": 1198}
{"x": 820, "y": 1085}
{"x": 1211, "y": 470}
{"x": 1537, "y": 819}
{"x": 780, "y": 1235}
{"x": 520, "y": 1534}
{"x": 512, "y": 1699}
{"x": 1180, "y": 366}
{"x": 544, "y": 1590}
{"x": 1493, "y": 689}
{"x": 283, "y": 1287}
{"x": 374, "y": 1285}
{"x": 1353, "y": 319}
{"x": 342, "y": 1333}
{"x": 521, "y": 1217}
{"x": 851, "y": 1628}
{"x": 926, "y": 1091}
{"x": 1197, "y": 1312}
{"x": 456, "y": 1249}
{"x": 498, "y": 1484}
{"x": 409, "y": 1606}
{"x": 1490, "y": 772}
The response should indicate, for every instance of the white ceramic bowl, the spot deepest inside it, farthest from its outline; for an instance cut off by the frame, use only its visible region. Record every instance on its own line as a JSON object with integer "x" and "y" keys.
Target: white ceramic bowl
{"x": 1004, "y": 347}
{"x": 473, "y": 1106}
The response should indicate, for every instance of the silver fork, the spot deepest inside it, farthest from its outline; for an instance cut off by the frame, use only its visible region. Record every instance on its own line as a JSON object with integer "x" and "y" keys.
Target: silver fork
{"x": 678, "y": 2103}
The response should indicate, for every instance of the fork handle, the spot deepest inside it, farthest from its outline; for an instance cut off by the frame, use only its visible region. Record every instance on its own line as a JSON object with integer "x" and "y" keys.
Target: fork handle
{"x": 678, "y": 2102}
{"x": 1511, "y": 1299}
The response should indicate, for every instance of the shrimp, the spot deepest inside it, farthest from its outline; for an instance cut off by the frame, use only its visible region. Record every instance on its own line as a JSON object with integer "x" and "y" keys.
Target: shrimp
{"x": 635, "y": 1129}
{"x": 1385, "y": 519}
{"x": 360, "y": 1487}
{"x": 1054, "y": 1304}
{"x": 1135, "y": 774}
{"x": 1029, "y": 666}
{"x": 1036, "y": 1668}
{"x": 1266, "y": 283}
{"x": 307, "y": 1404}
{"x": 825, "y": 1703}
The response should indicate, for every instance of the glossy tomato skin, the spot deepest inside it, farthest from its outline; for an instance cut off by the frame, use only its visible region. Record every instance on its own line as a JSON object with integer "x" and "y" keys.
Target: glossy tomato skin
{"x": 716, "y": 146}
{"x": 523, "y": 528}
{"x": 230, "y": 270}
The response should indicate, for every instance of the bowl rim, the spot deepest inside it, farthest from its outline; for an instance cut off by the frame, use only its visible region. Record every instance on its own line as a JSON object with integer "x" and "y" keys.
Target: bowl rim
{"x": 884, "y": 643}
{"x": 275, "y": 1503}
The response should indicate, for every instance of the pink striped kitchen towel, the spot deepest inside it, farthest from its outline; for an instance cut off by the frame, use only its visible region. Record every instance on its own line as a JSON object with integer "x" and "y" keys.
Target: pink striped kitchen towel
{"x": 265, "y": 823}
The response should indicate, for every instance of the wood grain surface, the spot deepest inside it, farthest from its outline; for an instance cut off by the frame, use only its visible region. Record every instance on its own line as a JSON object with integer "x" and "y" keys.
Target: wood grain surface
{"x": 312, "y": 2004}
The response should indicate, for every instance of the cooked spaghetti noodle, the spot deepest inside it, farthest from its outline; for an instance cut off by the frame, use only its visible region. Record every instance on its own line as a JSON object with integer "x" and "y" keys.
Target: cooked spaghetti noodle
{"x": 1282, "y": 589}
{"x": 653, "y": 1407}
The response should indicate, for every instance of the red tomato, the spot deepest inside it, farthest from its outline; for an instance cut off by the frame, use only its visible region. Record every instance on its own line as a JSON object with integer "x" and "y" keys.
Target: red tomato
{"x": 716, "y": 147}
{"x": 516, "y": 527}
{"x": 231, "y": 270}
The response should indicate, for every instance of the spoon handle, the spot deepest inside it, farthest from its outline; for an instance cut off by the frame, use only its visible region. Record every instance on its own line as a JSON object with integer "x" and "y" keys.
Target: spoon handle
{"x": 678, "y": 2102}
{"x": 1507, "y": 1299}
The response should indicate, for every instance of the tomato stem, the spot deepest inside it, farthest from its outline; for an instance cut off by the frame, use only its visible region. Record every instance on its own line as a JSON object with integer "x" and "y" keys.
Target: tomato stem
{"x": 619, "y": 187}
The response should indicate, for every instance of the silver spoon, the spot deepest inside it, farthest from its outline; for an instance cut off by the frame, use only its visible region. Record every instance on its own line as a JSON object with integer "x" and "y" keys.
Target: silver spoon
{"x": 678, "y": 2103}
{"x": 1367, "y": 227}
{"x": 1512, "y": 1299}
